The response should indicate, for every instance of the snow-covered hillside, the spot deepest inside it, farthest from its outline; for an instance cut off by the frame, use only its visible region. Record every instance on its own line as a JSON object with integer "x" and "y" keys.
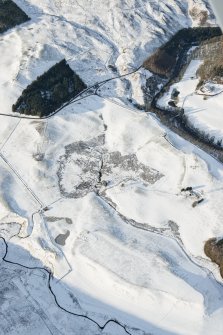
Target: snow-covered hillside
{"x": 96, "y": 234}
{"x": 99, "y": 39}
{"x": 202, "y": 106}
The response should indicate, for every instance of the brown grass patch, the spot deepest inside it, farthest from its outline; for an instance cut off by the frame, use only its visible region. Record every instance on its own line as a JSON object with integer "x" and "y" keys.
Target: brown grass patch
{"x": 213, "y": 249}
{"x": 212, "y": 68}
{"x": 164, "y": 59}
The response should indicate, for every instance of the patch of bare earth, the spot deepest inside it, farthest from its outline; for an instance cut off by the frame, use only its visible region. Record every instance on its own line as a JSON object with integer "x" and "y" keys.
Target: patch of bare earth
{"x": 211, "y": 52}
{"x": 213, "y": 249}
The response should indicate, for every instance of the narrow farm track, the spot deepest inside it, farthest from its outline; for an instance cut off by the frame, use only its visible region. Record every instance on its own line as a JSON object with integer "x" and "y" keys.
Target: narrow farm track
{"x": 174, "y": 123}
{"x": 89, "y": 91}
{"x": 21, "y": 179}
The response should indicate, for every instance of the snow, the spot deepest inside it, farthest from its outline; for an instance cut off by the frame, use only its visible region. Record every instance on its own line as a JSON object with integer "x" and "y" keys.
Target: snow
{"x": 109, "y": 182}
{"x": 111, "y": 267}
{"x": 203, "y": 107}
{"x": 206, "y": 114}
{"x": 90, "y": 37}
{"x": 186, "y": 86}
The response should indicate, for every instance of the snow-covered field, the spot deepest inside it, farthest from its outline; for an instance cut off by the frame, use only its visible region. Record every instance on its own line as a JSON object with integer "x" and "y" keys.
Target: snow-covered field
{"x": 203, "y": 107}
{"x": 93, "y": 194}
{"x": 206, "y": 114}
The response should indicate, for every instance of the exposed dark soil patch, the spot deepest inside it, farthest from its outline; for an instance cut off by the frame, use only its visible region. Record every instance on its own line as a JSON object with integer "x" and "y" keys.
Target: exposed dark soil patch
{"x": 119, "y": 168}
{"x": 213, "y": 249}
{"x": 88, "y": 166}
{"x": 61, "y": 238}
{"x": 56, "y": 219}
{"x": 10, "y": 15}
{"x": 80, "y": 165}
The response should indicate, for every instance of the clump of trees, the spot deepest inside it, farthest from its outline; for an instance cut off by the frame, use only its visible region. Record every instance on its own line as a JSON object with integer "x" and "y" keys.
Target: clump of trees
{"x": 164, "y": 60}
{"x": 211, "y": 71}
{"x": 213, "y": 249}
{"x": 49, "y": 91}
{"x": 10, "y": 15}
{"x": 212, "y": 67}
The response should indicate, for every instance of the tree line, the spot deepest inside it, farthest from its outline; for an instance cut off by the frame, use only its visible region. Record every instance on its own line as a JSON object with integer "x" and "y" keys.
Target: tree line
{"x": 10, "y": 15}
{"x": 163, "y": 61}
{"x": 49, "y": 91}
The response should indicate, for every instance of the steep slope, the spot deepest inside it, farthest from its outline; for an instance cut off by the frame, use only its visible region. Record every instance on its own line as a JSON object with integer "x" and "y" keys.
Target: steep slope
{"x": 98, "y": 39}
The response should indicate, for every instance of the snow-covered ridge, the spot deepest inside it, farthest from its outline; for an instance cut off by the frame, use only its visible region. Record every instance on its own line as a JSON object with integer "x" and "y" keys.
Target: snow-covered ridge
{"x": 92, "y": 36}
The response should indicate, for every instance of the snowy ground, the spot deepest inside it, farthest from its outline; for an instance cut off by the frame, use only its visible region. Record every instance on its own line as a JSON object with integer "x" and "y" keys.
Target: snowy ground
{"x": 124, "y": 243}
{"x": 202, "y": 107}
{"x": 103, "y": 208}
